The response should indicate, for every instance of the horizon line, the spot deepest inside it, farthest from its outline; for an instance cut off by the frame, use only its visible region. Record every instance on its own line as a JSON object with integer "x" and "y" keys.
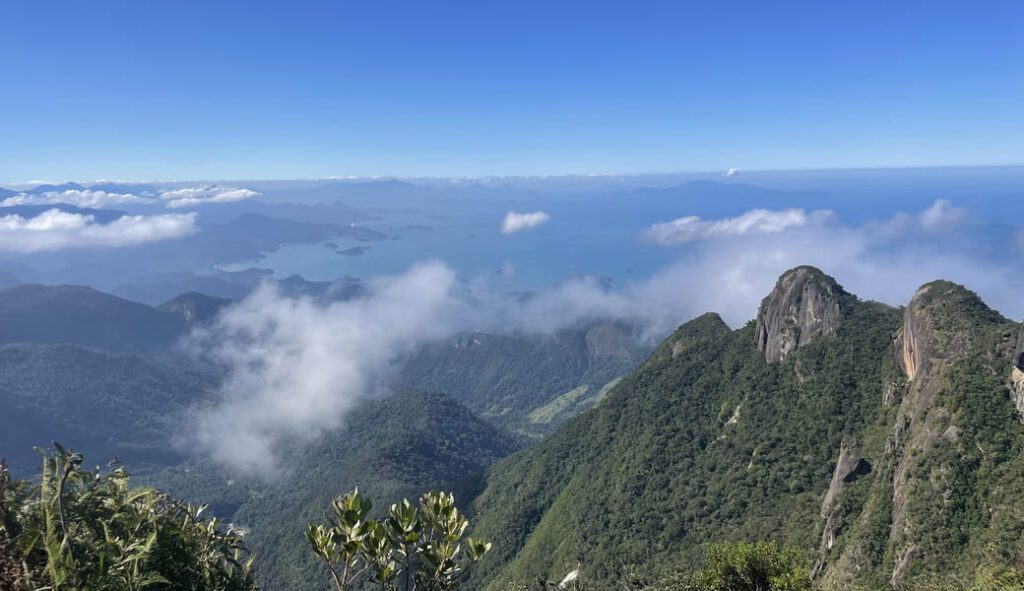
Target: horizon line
{"x": 740, "y": 172}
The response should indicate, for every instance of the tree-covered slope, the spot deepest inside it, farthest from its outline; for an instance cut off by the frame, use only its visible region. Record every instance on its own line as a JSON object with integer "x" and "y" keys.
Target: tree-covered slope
{"x": 107, "y": 403}
{"x": 76, "y": 315}
{"x": 400, "y": 446}
{"x": 529, "y": 383}
{"x": 802, "y": 428}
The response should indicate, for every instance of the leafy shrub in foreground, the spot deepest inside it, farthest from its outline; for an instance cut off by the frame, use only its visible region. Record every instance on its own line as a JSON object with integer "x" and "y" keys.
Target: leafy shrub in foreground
{"x": 412, "y": 549}
{"x": 82, "y": 529}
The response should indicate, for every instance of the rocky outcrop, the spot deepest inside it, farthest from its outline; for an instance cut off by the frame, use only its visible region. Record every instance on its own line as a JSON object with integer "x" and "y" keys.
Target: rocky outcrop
{"x": 805, "y": 305}
{"x": 915, "y": 335}
{"x": 1017, "y": 375}
{"x": 1018, "y": 354}
{"x": 940, "y": 328}
{"x": 850, "y": 467}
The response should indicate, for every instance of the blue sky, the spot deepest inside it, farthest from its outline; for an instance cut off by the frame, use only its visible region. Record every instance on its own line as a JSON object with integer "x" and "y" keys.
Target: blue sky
{"x": 188, "y": 90}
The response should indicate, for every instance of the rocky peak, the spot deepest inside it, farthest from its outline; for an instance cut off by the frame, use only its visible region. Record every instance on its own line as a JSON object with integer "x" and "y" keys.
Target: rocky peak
{"x": 939, "y": 307}
{"x": 804, "y": 305}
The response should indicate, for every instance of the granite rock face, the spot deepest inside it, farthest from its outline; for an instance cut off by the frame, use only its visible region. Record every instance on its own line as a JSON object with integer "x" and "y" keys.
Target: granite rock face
{"x": 916, "y": 335}
{"x": 1017, "y": 375}
{"x": 805, "y": 305}
{"x": 850, "y": 467}
{"x": 1018, "y": 355}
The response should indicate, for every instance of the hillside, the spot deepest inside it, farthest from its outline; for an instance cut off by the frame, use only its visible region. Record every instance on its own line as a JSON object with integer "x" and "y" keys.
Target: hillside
{"x": 884, "y": 444}
{"x": 400, "y": 446}
{"x": 76, "y": 315}
{"x": 107, "y": 403}
{"x": 194, "y": 308}
{"x": 528, "y": 383}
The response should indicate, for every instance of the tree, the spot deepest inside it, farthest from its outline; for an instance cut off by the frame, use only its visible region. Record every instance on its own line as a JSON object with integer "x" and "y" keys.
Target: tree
{"x": 411, "y": 549}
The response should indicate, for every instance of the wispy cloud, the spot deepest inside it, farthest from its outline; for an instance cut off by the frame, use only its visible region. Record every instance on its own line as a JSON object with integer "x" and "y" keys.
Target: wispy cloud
{"x": 755, "y": 221}
{"x": 517, "y": 222}
{"x": 942, "y": 216}
{"x": 76, "y": 197}
{"x": 297, "y": 365}
{"x": 55, "y": 230}
{"x": 193, "y": 196}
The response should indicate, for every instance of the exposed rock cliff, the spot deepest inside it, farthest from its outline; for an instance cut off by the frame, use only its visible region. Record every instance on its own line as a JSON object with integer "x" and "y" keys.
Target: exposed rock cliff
{"x": 1017, "y": 374}
{"x": 850, "y": 467}
{"x": 804, "y": 305}
{"x": 915, "y": 336}
{"x": 1018, "y": 354}
{"x": 942, "y": 325}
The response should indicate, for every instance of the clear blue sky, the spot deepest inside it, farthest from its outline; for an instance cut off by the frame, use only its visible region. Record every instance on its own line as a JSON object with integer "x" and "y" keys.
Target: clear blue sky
{"x": 186, "y": 90}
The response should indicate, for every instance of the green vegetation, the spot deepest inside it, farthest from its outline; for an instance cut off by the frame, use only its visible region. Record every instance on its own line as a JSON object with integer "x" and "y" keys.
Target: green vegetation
{"x": 80, "y": 529}
{"x": 548, "y": 412}
{"x": 658, "y": 470}
{"x": 108, "y": 403}
{"x": 831, "y": 464}
{"x": 740, "y": 566}
{"x": 529, "y": 384}
{"x": 394, "y": 448}
{"x": 707, "y": 442}
{"x": 412, "y": 549}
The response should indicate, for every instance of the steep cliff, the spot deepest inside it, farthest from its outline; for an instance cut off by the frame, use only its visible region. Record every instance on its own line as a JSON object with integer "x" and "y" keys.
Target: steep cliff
{"x": 850, "y": 467}
{"x": 934, "y": 495}
{"x": 1018, "y": 354}
{"x": 804, "y": 305}
{"x": 1017, "y": 374}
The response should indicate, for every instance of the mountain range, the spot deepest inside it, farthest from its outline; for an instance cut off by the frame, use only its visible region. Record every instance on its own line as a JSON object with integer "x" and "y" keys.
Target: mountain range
{"x": 884, "y": 444}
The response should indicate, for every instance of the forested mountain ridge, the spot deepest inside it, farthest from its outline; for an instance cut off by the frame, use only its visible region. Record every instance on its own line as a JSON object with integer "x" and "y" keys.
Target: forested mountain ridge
{"x": 78, "y": 315}
{"x": 109, "y": 403}
{"x": 530, "y": 383}
{"x": 402, "y": 445}
{"x": 885, "y": 444}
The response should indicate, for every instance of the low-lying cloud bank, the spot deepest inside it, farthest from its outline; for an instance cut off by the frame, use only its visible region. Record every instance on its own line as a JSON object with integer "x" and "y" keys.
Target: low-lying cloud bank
{"x": 296, "y": 366}
{"x": 55, "y": 230}
{"x": 193, "y": 196}
{"x": 172, "y": 198}
{"x": 517, "y": 222}
{"x": 77, "y": 197}
{"x": 755, "y": 221}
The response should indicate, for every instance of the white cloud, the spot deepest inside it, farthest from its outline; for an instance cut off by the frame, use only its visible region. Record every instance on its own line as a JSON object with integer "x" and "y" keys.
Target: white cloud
{"x": 731, "y": 276}
{"x": 297, "y": 365}
{"x": 76, "y": 197}
{"x": 941, "y": 216}
{"x": 55, "y": 230}
{"x": 517, "y": 222}
{"x": 731, "y": 172}
{"x": 193, "y": 196}
{"x": 755, "y": 221}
